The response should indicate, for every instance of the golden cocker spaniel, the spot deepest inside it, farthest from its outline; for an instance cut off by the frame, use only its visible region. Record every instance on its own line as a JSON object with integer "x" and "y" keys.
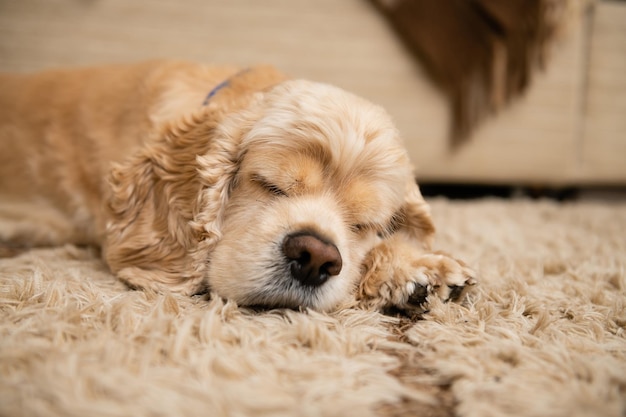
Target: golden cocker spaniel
{"x": 266, "y": 190}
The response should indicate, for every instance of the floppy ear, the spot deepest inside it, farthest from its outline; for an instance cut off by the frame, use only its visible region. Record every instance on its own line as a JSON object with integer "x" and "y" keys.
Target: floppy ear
{"x": 165, "y": 205}
{"x": 415, "y": 216}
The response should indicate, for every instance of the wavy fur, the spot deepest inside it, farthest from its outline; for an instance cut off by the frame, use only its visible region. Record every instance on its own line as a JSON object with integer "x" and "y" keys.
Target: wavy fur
{"x": 187, "y": 191}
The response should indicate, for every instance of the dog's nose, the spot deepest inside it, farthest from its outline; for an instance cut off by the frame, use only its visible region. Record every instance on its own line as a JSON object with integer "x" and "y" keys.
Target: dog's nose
{"x": 312, "y": 261}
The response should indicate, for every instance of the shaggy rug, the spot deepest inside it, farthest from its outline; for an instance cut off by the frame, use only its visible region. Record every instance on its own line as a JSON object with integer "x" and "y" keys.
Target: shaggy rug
{"x": 542, "y": 334}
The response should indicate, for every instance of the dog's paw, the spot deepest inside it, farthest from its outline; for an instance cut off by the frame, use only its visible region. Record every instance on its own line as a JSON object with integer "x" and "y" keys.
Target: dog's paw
{"x": 431, "y": 274}
{"x": 407, "y": 284}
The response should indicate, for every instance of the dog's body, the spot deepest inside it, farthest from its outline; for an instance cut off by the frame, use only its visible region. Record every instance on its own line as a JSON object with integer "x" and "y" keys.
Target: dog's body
{"x": 263, "y": 189}
{"x": 61, "y": 130}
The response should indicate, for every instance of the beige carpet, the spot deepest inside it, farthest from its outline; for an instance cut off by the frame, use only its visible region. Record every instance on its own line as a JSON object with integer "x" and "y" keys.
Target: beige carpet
{"x": 542, "y": 335}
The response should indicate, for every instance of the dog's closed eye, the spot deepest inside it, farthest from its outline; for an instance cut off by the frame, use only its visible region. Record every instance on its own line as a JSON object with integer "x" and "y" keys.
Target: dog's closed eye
{"x": 365, "y": 228}
{"x": 360, "y": 227}
{"x": 382, "y": 230}
{"x": 267, "y": 185}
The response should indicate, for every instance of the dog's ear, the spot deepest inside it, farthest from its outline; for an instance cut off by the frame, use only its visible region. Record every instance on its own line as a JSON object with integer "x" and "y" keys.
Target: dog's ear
{"x": 165, "y": 205}
{"x": 414, "y": 217}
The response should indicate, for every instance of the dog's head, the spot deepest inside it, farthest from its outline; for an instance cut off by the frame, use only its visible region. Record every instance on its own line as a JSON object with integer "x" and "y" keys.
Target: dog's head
{"x": 274, "y": 204}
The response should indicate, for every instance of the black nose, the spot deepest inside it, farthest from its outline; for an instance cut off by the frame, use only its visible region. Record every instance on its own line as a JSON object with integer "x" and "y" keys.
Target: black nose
{"x": 312, "y": 260}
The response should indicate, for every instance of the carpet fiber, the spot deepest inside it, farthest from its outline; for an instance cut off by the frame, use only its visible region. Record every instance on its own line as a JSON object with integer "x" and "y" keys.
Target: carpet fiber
{"x": 542, "y": 334}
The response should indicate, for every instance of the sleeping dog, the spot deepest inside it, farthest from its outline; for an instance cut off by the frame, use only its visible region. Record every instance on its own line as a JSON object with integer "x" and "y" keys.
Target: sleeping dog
{"x": 263, "y": 189}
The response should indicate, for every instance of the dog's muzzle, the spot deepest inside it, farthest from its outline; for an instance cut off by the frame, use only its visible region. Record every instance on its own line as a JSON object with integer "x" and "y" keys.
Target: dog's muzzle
{"x": 311, "y": 259}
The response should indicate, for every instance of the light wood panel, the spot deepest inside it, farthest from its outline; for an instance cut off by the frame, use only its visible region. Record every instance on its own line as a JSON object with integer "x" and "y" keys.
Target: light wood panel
{"x": 604, "y": 148}
{"x": 543, "y": 138}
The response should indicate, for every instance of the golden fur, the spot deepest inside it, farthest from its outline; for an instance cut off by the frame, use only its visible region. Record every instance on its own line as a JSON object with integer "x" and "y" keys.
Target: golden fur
{"x": 190, "y": 191}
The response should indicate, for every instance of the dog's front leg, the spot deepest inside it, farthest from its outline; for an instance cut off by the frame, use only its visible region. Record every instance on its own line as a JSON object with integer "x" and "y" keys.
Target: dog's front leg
{"x": 399, "y": 275}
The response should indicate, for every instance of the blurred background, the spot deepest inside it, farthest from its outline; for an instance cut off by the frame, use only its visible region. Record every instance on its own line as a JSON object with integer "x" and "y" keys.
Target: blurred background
{"x": 565, "y": 130}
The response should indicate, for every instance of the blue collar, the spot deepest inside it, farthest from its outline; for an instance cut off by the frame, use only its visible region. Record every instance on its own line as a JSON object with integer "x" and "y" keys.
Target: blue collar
{"x": 222, "y": 85}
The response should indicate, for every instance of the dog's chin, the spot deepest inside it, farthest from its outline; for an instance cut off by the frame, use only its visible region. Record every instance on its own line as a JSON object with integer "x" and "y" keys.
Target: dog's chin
{"x": 285, "y": 292}
{"x": 276, "y": 288}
